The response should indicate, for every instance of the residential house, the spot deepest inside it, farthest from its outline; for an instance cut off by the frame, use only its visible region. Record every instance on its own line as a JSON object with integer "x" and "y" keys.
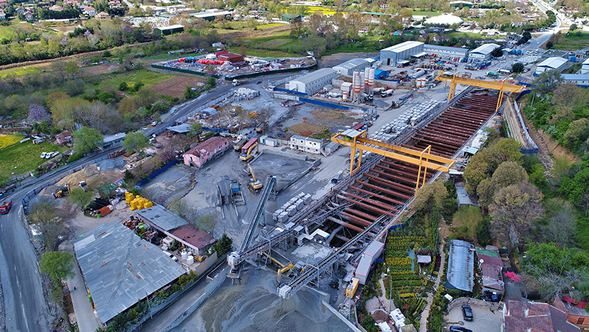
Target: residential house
{"x": 65, "y": 137}
{"x": 576, "y": 311}
{"x": 206, "y": 151}
{"x": 491, "y": 267}
{"x": 525, "y": 316}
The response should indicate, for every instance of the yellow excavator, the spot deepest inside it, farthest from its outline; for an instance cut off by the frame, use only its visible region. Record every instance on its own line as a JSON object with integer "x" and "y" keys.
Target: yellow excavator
{"x": 254, "y": 185}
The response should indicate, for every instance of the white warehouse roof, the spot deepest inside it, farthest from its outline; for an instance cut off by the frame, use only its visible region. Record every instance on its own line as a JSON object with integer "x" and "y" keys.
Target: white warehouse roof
{"x": 403, "y": 46}
{"x": 445, "y": 19}
{"x": 553, "y": 62}
{"x": 315, "y": 75}
{"x": 586, "y": 62}
{"x": 485, "y": 49}
{"x": 352, "y": 63}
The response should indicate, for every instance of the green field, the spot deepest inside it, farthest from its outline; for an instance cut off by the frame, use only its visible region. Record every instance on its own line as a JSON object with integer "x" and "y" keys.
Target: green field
{"x": 6, "y": 34}
{"x": 21, "y": 158}
{"x": 468, "y": 35}
{"x": 19, "y": 71}
{"x": 418, "y": 12}
{"x": 573, "y": 41}
{"x": 147, "y": 77}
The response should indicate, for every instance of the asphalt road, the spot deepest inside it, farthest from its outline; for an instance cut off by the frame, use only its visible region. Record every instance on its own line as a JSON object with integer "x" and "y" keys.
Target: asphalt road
{"x": 24, "y": 303}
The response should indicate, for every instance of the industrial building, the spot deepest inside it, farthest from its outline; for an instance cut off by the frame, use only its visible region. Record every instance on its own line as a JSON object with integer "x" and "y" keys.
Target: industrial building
{"x": 443, "y": 20}
{"x": 371, "y": 253}
{"x": 206, "y": 151}
{"x": 350, "y": 66}
{"x": 460, "y": 274}
{"x": 312, "y": 82}
{"x": 581, "y": 80}
{"x": 212, "y": 14}
{"x": 305, "y": 144}
{"x": 120, "y": 269}
{"x": 455, "y": 54}
{"x": 482, "y": 53}
{"x": 585, "y": 67}
{"x": 391, "y": 56}
{"x": 168, "y": 30}
{"x": 176, "y": 228}
{"x": 552, "y": 63}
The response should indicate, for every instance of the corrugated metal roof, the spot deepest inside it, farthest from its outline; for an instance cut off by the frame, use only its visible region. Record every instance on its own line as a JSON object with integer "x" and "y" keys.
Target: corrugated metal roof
{"x": 460, "y": 273}
{"x": 315, "y": 75}
{"x": 430, "y": 48}
{"x": 162, "y": 217}
{"x": 403, "y": 46}
{"x": 120, "y": 268}
{"x": 485, "y": 49}
{"x": 553, "y": 62}
{"x": 352, "y": 63}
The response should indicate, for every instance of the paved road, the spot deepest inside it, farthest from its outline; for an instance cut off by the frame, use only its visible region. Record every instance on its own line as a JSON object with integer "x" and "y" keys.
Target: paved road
{"x": 25, "y": 306}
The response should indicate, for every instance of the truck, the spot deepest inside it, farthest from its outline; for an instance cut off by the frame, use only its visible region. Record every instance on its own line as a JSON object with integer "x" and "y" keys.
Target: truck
{"x": 386, "y": 93}
{"x": 236, "y": 194}
{"x": 5, "y": 207}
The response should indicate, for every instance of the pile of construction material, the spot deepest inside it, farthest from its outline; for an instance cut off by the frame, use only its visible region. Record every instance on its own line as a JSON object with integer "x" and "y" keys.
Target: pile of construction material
{"x": 410, "y": 118}
{"x": 290, "y": 208}
{"x": 137, "y": 202}
{"x": 245, "y": 94}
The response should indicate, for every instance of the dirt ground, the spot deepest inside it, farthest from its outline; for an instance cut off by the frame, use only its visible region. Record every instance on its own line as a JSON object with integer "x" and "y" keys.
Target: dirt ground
{"x": 317, "y": 120}
{"x": 176, "y": 86}
{"x": 106, "y": 68}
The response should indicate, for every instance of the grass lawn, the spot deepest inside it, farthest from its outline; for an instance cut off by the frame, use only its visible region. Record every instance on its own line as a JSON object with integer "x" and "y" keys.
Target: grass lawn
{"x": 573, "y": 41}
{"x": 6, "y": 33}
{"x": 263, "y": 53}
{"x": 19, "y": 71}
{"x": 21, "y": 158}
{"x": 426, "y": 13}
{"x": 6, "y": 140}
{"x": 147, "y": 77}
{"x": 467, "y": 35}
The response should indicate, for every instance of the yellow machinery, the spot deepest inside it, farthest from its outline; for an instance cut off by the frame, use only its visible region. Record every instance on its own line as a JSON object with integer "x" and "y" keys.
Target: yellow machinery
{"x": 352, "y": 288}
{"x": 283, "y": 268}
{"x": 359, "y": 141}
{"x": 254, "y": 184}
{"x": 501, "y": 86}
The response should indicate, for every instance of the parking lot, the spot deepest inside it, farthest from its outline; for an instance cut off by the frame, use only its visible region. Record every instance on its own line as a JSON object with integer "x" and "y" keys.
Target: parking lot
{"x": 487, "y": 316}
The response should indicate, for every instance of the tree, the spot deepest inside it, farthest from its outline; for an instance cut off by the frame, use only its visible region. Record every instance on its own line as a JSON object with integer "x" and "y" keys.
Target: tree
{"x": 211, "y": 83}
{"x": 38, "y": 113}
{"x": 135, "y": 142}
{"x": 547, "y": 82}
{"x": 497, "y": 53}
{"x": 223, "y": 245}
{"x": 86, "y": 140}
{"x": 517, "y": 68}
{"x": 123, "y": 86}
{"x": 576, "y": 134}
{"x": 195, "y": 129}
{"x": 430, "y": 197}
{"x": 559, "y": 224}
{"x": 80, "y": 197}
{"x": 465, "y": 223}
{"x": 549, "y": 44}
{"x": 57, "y": 265}
{"x": 513, "y": 210}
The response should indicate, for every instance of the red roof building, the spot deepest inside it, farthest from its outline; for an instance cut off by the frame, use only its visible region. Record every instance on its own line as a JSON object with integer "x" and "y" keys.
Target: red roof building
{"x": 528, "y": 316}
{"x": 228, "y": 56}
{"x": 64, "y": 137}
{"x": 193, "y": 237}
{"x": 576, "y": 311}
{"x": 206, "y": 151}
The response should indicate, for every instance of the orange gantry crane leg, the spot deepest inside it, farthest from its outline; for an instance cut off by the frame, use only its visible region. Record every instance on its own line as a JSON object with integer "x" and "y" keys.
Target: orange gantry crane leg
{"x": 359, "y": 142}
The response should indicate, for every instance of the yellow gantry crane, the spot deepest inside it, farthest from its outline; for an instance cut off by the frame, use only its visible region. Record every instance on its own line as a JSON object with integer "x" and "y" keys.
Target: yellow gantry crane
{"x": 358, "y": 141}
{"x": 501, "y": 86}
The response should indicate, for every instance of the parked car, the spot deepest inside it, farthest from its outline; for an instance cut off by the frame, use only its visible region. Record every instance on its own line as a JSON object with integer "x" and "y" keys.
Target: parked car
{"x": 467, "y": 313}
{"x": 456, "y": 328}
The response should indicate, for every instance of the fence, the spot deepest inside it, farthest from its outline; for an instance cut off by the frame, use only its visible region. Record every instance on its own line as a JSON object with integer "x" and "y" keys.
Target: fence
{"x": 155, "y": 173}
